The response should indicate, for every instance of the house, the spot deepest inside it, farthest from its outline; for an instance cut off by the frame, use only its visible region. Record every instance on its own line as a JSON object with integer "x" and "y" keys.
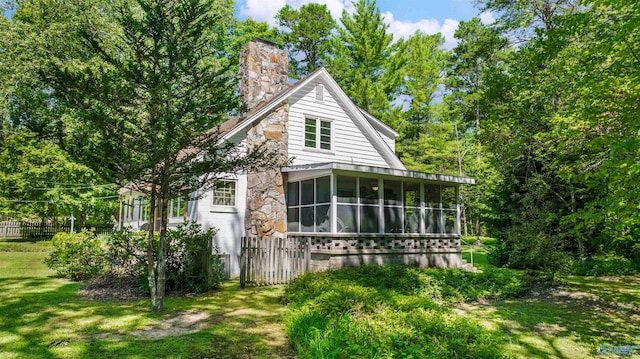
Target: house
{"x": 344, "y": 187}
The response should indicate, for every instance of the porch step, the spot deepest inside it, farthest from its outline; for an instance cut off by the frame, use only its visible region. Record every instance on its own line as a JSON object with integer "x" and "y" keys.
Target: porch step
{"x": 467, "y": 267}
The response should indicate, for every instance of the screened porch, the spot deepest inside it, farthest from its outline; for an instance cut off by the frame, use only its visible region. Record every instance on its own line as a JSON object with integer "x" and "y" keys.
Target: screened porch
{"x": 343, "y": 199}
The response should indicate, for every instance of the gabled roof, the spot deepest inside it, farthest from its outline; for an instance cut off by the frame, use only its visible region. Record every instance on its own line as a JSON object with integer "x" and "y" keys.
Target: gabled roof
{"x": 366, "y": 122}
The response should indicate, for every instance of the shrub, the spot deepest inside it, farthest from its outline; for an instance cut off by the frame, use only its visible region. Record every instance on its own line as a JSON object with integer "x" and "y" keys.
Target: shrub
{"x": 77, "y": 256}
{"x": 606, "y": 264}
{"x": 393, "y": 311}
{"x": 126, "y": 253}
{"x": 192, "y": 263}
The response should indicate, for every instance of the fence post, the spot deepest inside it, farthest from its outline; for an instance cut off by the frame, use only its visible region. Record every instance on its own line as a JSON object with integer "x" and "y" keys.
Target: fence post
{"x": 243, "y": 265}
{"x": 307, "y": 255}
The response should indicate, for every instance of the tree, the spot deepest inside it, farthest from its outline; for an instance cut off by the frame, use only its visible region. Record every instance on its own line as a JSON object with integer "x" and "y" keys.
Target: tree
{"x": 559, "y": 123}
{"x": 309, "y": 30}
{"x": 147, "y": 88}
{"x": 364, "y": 60}
{"x": 427, "y": 140}
{"x": 37, "y": 179}
{"x": 480, "y": 50}
{"x": 522, "y": 18}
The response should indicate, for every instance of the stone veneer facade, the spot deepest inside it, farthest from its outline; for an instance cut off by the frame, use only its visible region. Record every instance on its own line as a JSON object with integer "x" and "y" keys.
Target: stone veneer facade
{"x": 263, "y": 75}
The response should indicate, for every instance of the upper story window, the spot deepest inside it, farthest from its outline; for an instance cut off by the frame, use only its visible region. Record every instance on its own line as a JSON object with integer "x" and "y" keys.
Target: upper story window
{"x": 224, "y": 193}
{"x": 317, "y": 133}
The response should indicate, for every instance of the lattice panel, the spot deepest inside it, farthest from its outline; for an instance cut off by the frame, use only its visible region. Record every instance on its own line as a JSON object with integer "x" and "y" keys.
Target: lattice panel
{"x": 383, "y": 243}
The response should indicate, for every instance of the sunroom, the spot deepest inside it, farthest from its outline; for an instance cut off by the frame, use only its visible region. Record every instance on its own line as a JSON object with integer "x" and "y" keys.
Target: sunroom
{"x": 350, "y": 200}
{"x": 352, "y": 215}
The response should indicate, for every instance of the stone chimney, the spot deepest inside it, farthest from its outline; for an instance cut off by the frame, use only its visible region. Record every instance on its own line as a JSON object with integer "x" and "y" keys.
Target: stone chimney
{"x": 264, "y": 72}
{"x": 264, "y": 75}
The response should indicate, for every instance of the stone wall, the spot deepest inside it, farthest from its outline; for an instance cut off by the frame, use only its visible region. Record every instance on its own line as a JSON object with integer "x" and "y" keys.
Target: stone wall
{"x": 263, "y": 75}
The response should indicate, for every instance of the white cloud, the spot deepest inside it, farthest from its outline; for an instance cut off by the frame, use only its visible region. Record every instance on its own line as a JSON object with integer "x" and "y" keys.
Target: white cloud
{"x": 404, "y": 29}
{"x": 487, "y": 18}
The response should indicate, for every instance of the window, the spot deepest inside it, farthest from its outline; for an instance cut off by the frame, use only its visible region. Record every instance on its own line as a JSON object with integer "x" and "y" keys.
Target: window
{"x": 371, "y": 205}
{"x": 317, "y": 133}
{"x": 319, "y": 93}
{"x": 177, "y": 207}
{"x": 224, "y": 193}
{"x": 145, "y": 208}
{"x": 308, "y": 204}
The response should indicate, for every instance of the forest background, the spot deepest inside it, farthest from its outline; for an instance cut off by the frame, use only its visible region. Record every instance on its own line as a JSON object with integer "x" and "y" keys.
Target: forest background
{"x": 541, "y": 107}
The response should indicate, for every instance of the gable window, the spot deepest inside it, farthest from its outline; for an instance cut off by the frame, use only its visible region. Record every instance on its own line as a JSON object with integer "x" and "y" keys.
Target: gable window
{"x": 317, "y": 133}
{"x": 224, "y": 193}
{"x": 319, "y": 93}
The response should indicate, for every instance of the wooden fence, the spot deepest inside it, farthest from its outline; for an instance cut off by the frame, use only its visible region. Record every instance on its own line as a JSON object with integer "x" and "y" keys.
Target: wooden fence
{"x": 30, "y": 230}
{"x": 9, "y": 229}
{"x": 268, "y": 261}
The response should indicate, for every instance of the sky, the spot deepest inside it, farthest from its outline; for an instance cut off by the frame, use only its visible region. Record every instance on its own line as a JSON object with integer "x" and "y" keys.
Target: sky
{"x": 404, "y": 17}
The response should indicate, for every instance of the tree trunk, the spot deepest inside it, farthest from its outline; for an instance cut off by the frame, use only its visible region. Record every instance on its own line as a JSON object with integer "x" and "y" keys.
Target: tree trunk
{"x": 463, "y": 207}
{"x": 151, "y": 263}
{"x": 162, "y": 246}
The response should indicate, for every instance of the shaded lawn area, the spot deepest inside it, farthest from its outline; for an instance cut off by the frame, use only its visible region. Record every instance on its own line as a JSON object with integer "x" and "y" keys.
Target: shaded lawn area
{"x": 573, "y": 319}
{"x": 44, "y": 317}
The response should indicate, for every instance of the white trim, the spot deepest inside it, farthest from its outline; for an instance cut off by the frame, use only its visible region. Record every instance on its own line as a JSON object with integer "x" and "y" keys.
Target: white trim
{"x": 330, "y": 166}
{"x": 383, "y": 127}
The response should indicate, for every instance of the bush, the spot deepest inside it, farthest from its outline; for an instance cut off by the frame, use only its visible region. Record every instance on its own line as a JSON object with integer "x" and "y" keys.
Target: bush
{"x": 77, "y": 256}
{"x": 393, "y": 311}
{"x": 192, "y": 263}
{"x": 605, "y": 265}
{"x": 126, "y": 253}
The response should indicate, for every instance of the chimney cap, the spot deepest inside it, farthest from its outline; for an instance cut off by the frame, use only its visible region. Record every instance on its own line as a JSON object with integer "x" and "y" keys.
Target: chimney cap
{"x": 266, "y": 42}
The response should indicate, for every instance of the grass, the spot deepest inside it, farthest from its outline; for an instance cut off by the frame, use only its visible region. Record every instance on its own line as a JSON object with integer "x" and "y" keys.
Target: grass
{"x": 24, "y": 245}
{"x": 572, "y": 320}
{"x": 383, "y": 312}
{"x": 45, "y": 317}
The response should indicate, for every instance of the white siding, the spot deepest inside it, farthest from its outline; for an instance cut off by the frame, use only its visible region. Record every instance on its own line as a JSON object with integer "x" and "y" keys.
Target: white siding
{"x": 349, "y": 144}
{"x": 229, "y": 221}
{"x": 390, "y": 141}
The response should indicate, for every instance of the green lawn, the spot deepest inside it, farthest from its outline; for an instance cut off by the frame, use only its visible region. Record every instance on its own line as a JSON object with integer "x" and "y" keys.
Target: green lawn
{"x": 44, "y": 317}
{"x": 571, "y": 320}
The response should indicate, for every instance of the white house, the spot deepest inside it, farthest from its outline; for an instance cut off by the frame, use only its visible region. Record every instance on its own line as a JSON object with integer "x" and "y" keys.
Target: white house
{"x": 344, "y": 186}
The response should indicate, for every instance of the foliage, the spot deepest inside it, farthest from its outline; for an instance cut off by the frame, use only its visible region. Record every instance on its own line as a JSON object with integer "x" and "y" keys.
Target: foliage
{"x": 393, "y": 311}
{"x": 309, "y": 30}
{"x": 125, "y": 255}
{"x": 606, "y": 265}
{"x": 38, "y": 180}
{"x": 143, "y": 83}
{"x": 192, "y": 263}
{"x": 77, "y": 256}
{"x": 362, "y": 59}
{"x": 561, "y": 133}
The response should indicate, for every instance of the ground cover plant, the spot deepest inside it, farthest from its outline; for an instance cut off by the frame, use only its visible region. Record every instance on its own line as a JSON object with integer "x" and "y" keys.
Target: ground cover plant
{"x": 394, "y": 311}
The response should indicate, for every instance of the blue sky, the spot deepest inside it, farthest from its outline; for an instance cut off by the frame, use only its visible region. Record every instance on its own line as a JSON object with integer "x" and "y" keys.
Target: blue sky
{"x": 414, "y": 10}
